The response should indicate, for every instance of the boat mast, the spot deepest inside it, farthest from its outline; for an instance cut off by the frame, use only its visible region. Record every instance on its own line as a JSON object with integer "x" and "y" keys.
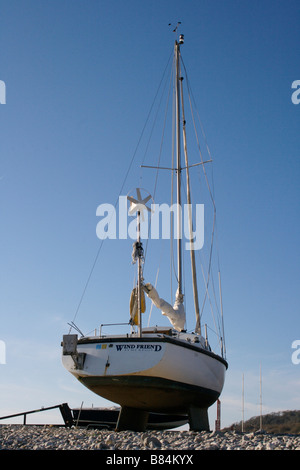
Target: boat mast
{"x": 189, "y": 205}
{"x": 139, "y": 205}
{"x": 179, "y": 92}
{"x": 139, "y": 276}
{"x": 179, "y": 228}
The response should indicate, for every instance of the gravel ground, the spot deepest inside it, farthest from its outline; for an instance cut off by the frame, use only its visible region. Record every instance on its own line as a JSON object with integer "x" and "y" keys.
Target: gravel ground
{"x": 13, "y": 437}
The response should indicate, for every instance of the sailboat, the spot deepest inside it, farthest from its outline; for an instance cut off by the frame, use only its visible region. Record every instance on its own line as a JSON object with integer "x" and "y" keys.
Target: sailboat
{"x": 160, "y": 369}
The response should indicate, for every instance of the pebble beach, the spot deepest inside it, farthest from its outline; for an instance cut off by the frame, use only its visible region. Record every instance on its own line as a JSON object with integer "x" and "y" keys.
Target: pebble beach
{"x": 19, "y": 437}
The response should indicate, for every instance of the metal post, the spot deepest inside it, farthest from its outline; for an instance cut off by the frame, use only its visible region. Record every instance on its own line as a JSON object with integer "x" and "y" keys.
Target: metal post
{"x": 206, "y": 338}
{"x": 243, "y": 405}
{"x": 260, "y": 422}
{"x": 218, "y": 420}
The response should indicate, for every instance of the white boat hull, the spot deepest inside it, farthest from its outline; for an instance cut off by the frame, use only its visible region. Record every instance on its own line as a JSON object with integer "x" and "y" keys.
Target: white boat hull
{"x": 155, "y": 373}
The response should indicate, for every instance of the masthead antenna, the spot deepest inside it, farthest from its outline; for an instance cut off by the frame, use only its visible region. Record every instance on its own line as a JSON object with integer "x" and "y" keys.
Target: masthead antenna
{"x": 181, "y": 37}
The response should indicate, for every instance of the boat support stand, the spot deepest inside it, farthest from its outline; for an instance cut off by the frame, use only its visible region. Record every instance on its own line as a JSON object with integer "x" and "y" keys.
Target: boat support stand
{"x": 132, "y": 419}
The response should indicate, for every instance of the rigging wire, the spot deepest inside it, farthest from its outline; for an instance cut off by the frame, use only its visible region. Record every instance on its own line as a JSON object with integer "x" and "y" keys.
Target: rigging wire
{"x": 160, "y": 152}
{"x": 120, "y": 192}
{"x": 213, "y": 200}
{"x": 212, "y": 197}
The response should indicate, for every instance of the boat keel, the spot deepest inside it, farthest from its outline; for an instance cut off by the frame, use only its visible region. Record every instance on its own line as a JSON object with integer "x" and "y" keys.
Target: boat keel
{"x": 198, "y": 419}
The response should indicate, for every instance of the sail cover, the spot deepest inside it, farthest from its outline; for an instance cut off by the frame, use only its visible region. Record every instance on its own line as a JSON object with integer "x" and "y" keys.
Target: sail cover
{"x": 175, "y": 314}
{"x": 134, "y": 306}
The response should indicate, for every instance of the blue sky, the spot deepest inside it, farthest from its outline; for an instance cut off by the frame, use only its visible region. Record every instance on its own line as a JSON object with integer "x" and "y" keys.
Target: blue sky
{"x": 80, "y": 78}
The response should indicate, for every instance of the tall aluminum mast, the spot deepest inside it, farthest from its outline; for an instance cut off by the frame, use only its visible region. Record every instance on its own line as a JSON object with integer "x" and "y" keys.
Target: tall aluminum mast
{"x": 178, "y": 169}
{"x": 189, "y": 205}
{"x": 179, "y": 92}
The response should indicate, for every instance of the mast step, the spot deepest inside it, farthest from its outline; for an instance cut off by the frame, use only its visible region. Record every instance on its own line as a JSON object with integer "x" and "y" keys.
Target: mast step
{"x": 132, "y": 419}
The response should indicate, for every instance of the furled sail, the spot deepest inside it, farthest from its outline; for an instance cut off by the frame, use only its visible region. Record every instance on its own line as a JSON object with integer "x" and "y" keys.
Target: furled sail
{"x": 175, "y": 314}
{"x": 133, "y": 306}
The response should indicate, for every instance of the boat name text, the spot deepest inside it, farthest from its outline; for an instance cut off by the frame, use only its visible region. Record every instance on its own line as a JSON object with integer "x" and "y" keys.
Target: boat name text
{"x": 138, "y": 347}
